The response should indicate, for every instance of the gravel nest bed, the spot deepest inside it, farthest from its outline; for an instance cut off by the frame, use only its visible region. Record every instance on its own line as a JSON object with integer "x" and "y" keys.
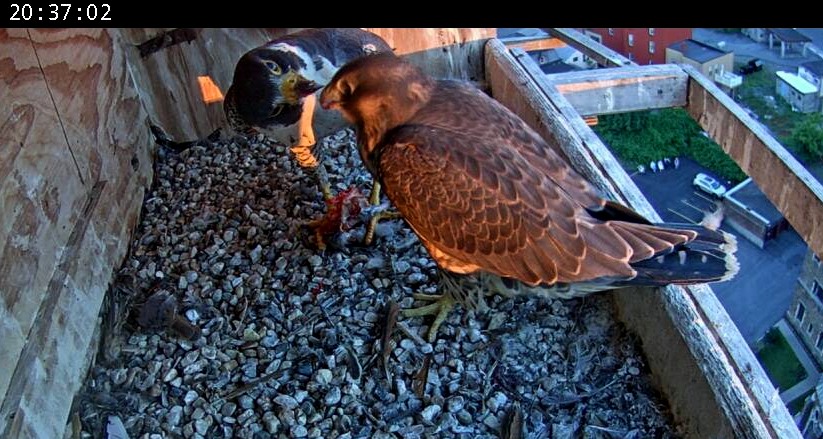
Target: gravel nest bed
{"x": 291, "y": 338}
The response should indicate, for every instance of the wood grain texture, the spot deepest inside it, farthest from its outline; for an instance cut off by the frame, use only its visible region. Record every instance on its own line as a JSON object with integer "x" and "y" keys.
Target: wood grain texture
{"x": 72, "y": 191}
{"x": 623, "y": 89}
{"x": 787, "y": 184}
{"x": 32, "y": 208}
{"x": 167, "y": 79}
{"x": 736, "y": 394}
{"x": 441, "y": 52}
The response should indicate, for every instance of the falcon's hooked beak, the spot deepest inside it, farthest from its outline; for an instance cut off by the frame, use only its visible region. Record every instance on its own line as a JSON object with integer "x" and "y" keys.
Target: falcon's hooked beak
{"x": 329, "y": 99}
{"x": 293, "y": 87}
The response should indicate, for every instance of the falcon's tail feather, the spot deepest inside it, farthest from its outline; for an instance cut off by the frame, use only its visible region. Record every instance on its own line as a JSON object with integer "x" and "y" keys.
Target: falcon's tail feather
{"x": 707, "y": 258}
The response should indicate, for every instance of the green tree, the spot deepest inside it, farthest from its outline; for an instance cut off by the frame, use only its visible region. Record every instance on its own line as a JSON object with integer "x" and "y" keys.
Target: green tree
{"x": 808, "y": 135}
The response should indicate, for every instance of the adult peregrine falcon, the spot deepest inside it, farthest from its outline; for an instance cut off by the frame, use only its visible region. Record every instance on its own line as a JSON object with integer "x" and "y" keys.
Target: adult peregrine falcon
{"x": 273, "y": 90}
{"x": 494, "y": 205}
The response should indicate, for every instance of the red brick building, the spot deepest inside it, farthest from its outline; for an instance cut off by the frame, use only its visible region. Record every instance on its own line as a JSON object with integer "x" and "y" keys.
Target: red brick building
{"x": 643, "y": 45}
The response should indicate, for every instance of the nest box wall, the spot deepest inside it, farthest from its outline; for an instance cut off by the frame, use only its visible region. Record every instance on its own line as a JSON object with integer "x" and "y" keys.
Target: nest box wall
{"x": 76, "y": 158}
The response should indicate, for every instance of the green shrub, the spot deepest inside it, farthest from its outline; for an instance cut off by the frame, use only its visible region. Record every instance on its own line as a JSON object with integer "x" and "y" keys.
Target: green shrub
{"x": 807, "y": 136}
{"x": 645, "y": 136}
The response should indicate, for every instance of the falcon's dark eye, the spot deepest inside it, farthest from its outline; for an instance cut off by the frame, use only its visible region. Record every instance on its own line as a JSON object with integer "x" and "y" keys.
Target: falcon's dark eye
{"x": 346, "y": 88}
{"x": 275, "y": 69}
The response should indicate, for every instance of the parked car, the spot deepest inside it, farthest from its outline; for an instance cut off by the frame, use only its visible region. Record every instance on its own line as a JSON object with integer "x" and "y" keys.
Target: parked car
{"x": 709, "y": 184}
{"x": 754, "y": 65}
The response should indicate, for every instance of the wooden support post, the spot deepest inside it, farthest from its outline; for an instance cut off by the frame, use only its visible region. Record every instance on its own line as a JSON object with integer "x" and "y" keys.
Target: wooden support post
{"x": 599, "y": 53}
{"x": 786, "y": 183}
{"x": 624, "y": 89}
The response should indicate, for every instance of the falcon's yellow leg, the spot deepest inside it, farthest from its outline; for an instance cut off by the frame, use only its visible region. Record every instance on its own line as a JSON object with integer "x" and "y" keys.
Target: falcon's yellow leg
{"x": 303, "y": 153}
{"x": 443, "y": 303}
{"x": 305, "y": 144}
{"x": 374, "y": 200}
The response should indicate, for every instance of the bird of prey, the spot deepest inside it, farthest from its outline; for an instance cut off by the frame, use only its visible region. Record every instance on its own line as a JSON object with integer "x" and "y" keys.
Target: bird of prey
{"x": 495, "y": 206}
{"x": 273, "y": 88}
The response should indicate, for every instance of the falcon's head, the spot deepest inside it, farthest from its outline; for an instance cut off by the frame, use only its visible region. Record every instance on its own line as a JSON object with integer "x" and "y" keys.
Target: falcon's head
{"x": 269, "y": 83}
{"x": 376, "y": 94}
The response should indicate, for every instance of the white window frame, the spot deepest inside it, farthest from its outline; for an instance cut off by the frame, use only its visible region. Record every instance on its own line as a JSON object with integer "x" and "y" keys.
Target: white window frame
{"x": 631, "y": 40}
{"x": 651, "y": 46}
{"x": 651, "y": 31}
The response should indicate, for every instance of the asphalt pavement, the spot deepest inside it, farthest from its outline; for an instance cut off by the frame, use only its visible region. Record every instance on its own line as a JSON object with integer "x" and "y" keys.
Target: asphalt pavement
{"x": 745, "y": 48}
{"x": 758, "y": 297}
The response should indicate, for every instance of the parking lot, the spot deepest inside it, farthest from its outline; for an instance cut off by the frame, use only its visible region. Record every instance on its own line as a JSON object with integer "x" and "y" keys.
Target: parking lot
{"x": 761, "y": 293}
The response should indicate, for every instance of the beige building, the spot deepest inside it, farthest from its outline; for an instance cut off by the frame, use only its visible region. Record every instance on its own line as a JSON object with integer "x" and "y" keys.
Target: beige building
{"x": 708, "y": 59}
{"x": 805, "y": 313}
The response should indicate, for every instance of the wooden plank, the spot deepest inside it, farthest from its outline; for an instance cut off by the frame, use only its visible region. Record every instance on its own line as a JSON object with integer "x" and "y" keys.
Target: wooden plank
{"x": 441, "y": 52}
{"x": 787, "y": 184}
{"x": 734, "y": 396}
{"x": 599, "y": 53}
{"x": 533, "y": 43}
{"x": 81, "y": 79}
{"x": 33, "y": 209}
{"x": 167, "y": 79}
{"x": 623, "y": 89}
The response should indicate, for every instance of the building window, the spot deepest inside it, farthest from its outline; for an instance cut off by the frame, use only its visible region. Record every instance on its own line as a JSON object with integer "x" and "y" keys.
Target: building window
{"x": 651, "y": 31}
{"x": 809, "y": 328}
{"x": 819, "y": 344}
{"x": 800, "y": 313}
{"x": 631, "y": 57}
{"x": 816, "y": 259}
{"x": 631, "y": 40}
{"x": 611, "y": 31}
{"x": 651, "y": 46}
{"x": 818, "y": 291}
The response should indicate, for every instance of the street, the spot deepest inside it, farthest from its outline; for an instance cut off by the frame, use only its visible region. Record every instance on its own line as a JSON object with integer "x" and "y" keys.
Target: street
{"x": 761, "y": 293}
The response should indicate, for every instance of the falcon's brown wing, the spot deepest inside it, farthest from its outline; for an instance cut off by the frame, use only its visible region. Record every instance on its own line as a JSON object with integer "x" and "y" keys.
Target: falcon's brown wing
{"x": 484, "y": 192}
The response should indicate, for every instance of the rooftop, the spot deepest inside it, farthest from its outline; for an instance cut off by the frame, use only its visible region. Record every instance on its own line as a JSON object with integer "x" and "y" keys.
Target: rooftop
{"x": 697, "y": 51}
{"x": 815, "y": 67}
{"x": 750, "y": 195}
{"x": 789, "y": 35}
{"x": 797, "y": 83}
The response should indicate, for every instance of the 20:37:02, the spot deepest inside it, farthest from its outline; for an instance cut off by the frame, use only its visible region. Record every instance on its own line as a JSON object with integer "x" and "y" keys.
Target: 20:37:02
{"x": 62, "y": 11}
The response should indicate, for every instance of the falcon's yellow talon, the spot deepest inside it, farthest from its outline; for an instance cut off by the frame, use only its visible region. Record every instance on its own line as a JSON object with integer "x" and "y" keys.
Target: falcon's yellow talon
{"x": 440, "y": 308}
{"x": 374, "y": 196}
{"x": 374, "y": 200}
{"x": 372, "y": 226}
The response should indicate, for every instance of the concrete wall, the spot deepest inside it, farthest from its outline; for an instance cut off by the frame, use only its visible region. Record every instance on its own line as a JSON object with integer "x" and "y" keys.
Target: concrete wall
{"x": 745, "y": 224}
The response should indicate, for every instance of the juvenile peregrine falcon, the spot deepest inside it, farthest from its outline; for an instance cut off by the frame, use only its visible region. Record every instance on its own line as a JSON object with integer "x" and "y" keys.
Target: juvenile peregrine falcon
{"x": 494, "y": 205}
{"x": 273, "y": 90}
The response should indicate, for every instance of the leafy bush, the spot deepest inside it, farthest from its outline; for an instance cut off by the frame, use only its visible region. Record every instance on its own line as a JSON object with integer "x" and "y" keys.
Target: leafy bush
{"x": 807, "y": 136}
{"x": 645, "y": 136}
